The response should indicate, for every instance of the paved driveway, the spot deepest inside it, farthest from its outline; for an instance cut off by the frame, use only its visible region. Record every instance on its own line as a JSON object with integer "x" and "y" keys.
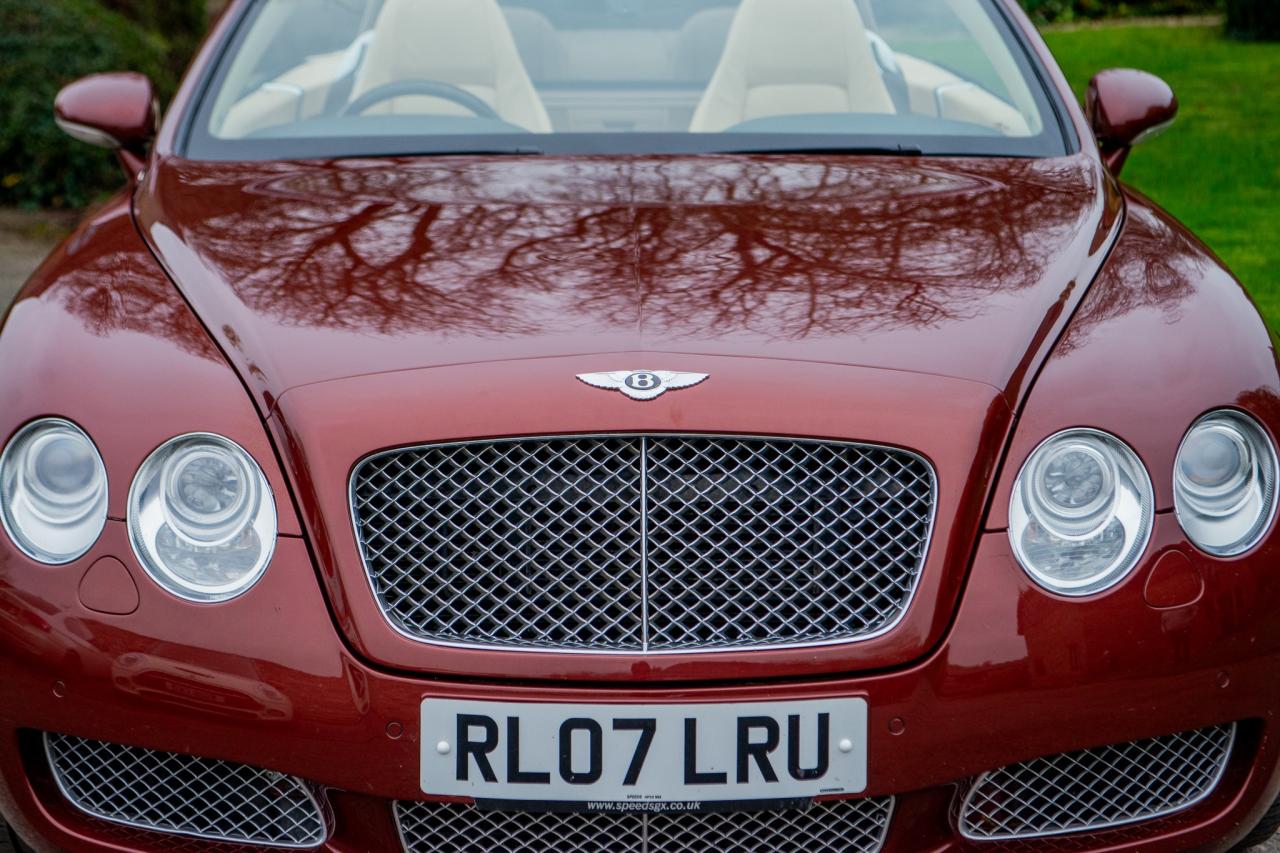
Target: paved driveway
{"x": 25, "y": 240}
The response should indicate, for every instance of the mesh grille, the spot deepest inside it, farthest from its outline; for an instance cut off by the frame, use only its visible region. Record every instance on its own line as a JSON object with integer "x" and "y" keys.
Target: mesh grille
{"x": 1097, "y": 788}
{"x": 169, "y": 792}
{"x": 643, "y": 543}
{"x": 848, "y": 826}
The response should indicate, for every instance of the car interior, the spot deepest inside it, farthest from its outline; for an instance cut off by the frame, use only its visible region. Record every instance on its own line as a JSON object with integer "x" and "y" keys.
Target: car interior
{"x": 335, "y": 67}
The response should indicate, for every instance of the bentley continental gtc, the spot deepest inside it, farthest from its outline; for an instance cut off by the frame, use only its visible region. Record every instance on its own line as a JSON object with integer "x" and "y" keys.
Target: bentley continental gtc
{"x": 634, "y": 425}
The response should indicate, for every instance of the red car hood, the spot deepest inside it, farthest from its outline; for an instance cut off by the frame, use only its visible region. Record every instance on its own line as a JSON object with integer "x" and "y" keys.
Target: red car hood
{"x": 378, "y": 304}
{"x": 313, "y": 272}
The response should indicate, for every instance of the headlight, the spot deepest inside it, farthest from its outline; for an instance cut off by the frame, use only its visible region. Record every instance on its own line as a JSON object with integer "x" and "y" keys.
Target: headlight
{"x": 53, "y": 491}
{"x": 1082, "y": 512}
{"x": 1224, "y": 483}
{"x": 202, "y": 518}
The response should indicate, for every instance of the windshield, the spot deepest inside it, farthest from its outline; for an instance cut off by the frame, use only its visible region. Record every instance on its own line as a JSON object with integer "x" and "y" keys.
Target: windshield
{"x": 328, "y": 78}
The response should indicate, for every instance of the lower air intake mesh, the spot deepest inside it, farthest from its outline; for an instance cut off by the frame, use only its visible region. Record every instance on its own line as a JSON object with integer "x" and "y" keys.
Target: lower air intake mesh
{"x": 1097, "y": 788}
{"x": 847, "y": 826}
{"x": 183, "y": 795}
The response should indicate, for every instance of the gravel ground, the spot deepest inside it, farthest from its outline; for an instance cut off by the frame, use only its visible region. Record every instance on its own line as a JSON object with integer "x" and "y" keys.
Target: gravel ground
{"x": 25, "y": 240}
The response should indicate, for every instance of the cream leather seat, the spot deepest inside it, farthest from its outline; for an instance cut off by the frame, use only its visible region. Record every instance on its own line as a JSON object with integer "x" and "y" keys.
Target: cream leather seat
{"x": 789, "y": 57}
{"x": 463, "y": 42}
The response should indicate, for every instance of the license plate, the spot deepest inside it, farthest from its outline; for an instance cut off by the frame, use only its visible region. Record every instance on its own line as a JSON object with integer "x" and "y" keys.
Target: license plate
{"x": 643, "y": 757}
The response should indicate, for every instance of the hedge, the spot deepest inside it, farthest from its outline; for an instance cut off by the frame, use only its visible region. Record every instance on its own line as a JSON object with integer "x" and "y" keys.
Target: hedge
{"x": 180, "y": 21}
{"x": 1054, "y": 11}
{"x": 1254, "y": 19}
{"x": 46, "y": 45}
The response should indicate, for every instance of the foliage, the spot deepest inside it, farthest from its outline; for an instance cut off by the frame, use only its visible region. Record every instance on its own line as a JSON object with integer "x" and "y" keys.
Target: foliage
{"x": 180, "y": 21}
{"x": 1053, "y": 11}
{"x": 1216, "y": 170}
{"x": 49, "y": 43}
{"x": 1254, "y": 19}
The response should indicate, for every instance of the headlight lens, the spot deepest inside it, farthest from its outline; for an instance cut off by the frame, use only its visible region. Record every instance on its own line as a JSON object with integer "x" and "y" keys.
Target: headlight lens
{"x": 1082, "y": 512}
{"x": 202, "y": 518}
{"x": 1224, "y": 483}
{"x": 53, "y": 491}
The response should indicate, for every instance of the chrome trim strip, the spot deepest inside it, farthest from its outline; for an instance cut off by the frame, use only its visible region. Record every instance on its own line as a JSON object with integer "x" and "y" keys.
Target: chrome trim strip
{"x": 644, "y": 544}
{"x": 723, "y": 650}
{"x": 888, "y": 822}
{"x": 88, "y": 135}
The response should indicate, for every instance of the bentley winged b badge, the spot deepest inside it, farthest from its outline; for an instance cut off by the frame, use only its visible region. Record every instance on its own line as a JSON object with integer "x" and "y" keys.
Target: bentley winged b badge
{"x": 643, "y": 384}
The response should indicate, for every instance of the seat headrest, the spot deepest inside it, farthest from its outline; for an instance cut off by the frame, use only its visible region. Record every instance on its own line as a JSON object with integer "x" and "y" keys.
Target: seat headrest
{"x": 463, "y": 42}
{"x": 410, "y": 42}
{"x": 799, "y": 41}
{"x": 790, "y": 57}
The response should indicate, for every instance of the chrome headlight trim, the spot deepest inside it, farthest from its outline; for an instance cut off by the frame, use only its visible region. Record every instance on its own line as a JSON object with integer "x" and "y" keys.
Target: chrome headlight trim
{"x": 25, "y": 504}
{"x": 1082, "y": 512}
{"x": 1231, "y": 517}
{"x": 202, "y": 518}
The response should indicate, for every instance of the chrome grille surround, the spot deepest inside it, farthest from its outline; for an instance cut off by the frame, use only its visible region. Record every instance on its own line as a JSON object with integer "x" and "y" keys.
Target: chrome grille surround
{"x": 646, "y": 544}
{"x": 1096, "y": 789}
{"x": 845, "y": 826}
{"x": 182, "y": 795}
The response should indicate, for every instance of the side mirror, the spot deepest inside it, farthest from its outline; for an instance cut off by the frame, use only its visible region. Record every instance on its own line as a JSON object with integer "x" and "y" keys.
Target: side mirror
{"x": 114, "y": 111}
{"x": 1126, "y": 107}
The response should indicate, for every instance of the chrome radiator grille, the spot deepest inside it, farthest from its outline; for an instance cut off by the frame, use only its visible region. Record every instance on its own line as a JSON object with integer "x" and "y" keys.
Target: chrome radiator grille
{"x": 1097, "y": 788}
{"x": 183, "y": 795}
{"x": 633, "y": 543}
{"x": 857, "y": 826}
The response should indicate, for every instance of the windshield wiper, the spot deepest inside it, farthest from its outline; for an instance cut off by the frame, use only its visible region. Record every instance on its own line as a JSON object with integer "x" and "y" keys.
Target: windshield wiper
{"x": 496, "y": 151}
{"x": 875, "y": 150}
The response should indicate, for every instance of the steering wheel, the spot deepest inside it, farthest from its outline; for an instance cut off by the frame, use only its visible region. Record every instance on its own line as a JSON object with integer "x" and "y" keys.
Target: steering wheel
{"x": 428, "y": 88}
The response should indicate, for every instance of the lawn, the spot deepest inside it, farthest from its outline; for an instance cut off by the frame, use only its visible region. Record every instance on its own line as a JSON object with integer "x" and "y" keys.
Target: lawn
{"x": 1218, "y": 169}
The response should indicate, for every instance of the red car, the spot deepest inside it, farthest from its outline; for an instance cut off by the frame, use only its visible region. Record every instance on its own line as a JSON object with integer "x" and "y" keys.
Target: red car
{"x": 635, "y": 425}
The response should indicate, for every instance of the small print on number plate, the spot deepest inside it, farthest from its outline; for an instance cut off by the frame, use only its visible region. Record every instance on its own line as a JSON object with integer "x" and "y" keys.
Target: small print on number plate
{"x": 643, "y": 757}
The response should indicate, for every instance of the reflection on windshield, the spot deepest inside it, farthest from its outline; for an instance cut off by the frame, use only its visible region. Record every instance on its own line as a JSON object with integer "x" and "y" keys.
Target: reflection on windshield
{"x": 942, "y": 76}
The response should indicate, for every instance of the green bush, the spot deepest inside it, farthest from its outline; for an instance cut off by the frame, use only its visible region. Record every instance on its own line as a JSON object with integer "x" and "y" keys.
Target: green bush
{"x": 1052, "y": 11}
{"x": 180, "y": 21}
{"x": 49, "y": 43}
{"x": 1254, "y": 19}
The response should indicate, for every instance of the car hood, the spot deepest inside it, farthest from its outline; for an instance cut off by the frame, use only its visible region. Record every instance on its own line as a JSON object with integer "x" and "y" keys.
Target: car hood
{"x": 311, "y": 272}
{"x": 382, "y": 304}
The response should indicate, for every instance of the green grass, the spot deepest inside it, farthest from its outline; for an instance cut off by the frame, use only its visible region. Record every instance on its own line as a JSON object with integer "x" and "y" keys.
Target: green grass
{"x": 1218, "y": 168}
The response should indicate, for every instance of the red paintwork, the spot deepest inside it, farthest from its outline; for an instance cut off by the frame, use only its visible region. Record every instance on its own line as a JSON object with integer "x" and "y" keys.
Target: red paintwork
{"x": 315, "y": 313}
{"x": 391, "y": 303}
{"x": 122, "y": 106}
{"x": 1162, "y": 305}
{"x": 1022, "y": 673}
{"x": 1122, "y": 105}
{"x": 108, "y": 588}
{"x": 1174, "y": 582}
{"x": 308, "y": 273}
{"x": 106, "y": 341}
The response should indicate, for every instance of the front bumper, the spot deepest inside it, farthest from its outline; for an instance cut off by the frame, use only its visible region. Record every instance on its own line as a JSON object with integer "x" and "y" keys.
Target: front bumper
{"x": 267, "y": 680}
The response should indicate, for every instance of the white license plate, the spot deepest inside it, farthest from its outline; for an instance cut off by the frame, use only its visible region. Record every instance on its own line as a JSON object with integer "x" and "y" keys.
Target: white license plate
{"x": 643, "y": 757}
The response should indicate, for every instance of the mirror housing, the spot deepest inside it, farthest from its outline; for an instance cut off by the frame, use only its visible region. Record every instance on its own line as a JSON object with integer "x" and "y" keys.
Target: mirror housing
{"x": 1126, "y": 107}
{"x": 119, "y": 112}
